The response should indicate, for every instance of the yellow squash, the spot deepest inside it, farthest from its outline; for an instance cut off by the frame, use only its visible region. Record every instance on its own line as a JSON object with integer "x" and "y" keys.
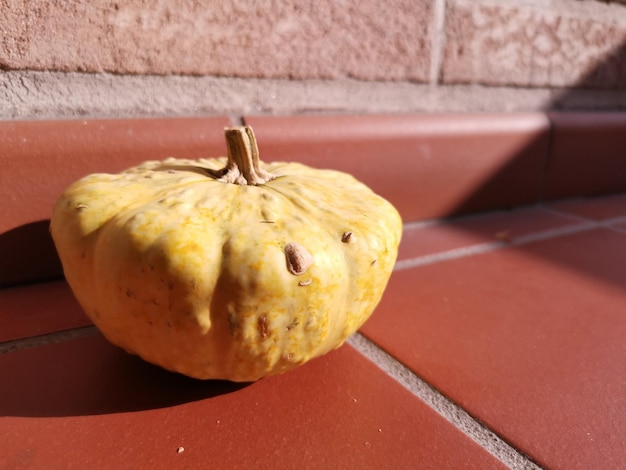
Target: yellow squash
{"x": 226, "y": 268}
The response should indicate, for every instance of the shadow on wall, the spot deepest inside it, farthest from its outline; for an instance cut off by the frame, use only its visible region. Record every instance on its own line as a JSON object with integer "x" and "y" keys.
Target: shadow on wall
{"x": 585, "y": 157}
{"x": 609, "y": 74}
{"x": 585, "y": 150}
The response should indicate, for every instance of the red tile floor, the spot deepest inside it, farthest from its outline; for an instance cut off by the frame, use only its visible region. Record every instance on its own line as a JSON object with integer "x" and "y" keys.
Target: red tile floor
{"x": 500, "y": 342}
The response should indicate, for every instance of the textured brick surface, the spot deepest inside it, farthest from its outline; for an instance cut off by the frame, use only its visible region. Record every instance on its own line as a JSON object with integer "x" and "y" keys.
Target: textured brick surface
{"x": 530, "y": 45}
{"x": 244, "y": 38}
{"x": 136, "y": 58}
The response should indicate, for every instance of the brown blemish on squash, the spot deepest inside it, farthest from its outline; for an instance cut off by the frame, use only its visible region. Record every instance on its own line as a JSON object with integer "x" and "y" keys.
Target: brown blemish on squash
{"x": 263, "y": 325}
{"x": 233, "y": 324}
{"x": 348, "y": 237}
{"x": 298, "y": 259}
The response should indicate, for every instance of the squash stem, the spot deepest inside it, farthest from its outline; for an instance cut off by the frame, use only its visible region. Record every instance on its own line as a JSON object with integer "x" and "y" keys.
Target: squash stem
{"x": 244, "y": 165}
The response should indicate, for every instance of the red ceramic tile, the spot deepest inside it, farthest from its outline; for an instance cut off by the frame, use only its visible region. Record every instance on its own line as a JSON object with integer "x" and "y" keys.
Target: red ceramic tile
{"x": 509, "y": 226}
{"x": 86, "y": 404}
{"x": 38, "y": 309}
{"x": 529, "y": 340}
{"x": 587, "y": 155}
{"x": 428, "y": 166}
{"x": 40, "y": 158}
{"x": 599, "y": 208}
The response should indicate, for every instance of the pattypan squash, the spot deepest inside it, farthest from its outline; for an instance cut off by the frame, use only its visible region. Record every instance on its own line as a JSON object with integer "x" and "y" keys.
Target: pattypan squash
{"x": 226, "y": 268}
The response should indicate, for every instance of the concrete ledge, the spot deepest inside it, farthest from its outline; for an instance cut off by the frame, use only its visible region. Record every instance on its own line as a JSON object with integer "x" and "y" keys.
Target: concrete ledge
{"x": 58, "y": 95}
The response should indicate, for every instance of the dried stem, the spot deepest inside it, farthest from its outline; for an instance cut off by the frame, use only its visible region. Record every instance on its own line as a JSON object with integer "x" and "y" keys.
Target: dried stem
{"x": 244, "y": 166}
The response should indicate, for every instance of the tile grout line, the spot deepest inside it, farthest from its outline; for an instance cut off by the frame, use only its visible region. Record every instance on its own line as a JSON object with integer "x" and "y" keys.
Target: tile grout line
{"x": 567, "y": 215}
{"x": 481, "y": 248}
{"x": 580, "y": 218}
{"x": 437, "y": 41}
{"x": 453, "y": 413}
{"x": 615, "y": 220}
{"x": 48, "y": 338}
{"x": 607, "y": 223}
{"x": 618, "y": 230}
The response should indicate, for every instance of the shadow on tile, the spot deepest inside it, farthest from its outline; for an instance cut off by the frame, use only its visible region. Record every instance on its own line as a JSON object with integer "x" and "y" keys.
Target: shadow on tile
{"x": 28, "y": 255}
{"x": 90, "y": 377}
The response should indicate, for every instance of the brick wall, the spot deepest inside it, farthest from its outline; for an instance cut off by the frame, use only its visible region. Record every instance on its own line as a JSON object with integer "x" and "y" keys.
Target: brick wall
{"x": 105, "y": 58}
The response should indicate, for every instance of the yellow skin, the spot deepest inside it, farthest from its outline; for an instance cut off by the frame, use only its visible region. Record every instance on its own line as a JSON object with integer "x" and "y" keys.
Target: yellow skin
{"x": 191, "y": 273}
